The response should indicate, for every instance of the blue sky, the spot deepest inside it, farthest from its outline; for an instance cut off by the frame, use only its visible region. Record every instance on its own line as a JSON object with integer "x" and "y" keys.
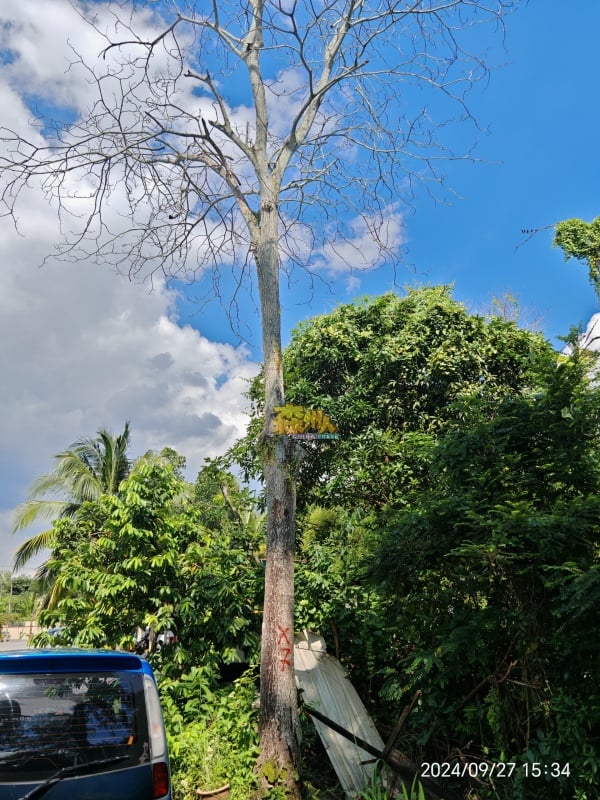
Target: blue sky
{"x": 81, "y": 348}
{"x": 544, "y": 128}
{"x": 537, "y": 164}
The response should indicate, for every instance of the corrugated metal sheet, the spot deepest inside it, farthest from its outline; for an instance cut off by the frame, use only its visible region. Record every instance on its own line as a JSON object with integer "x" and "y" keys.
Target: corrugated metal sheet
{"x": 324, "y": 685}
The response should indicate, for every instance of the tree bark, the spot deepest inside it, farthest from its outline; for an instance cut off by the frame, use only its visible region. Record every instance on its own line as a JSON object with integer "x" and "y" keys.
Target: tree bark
{"x": 279, "y": 725}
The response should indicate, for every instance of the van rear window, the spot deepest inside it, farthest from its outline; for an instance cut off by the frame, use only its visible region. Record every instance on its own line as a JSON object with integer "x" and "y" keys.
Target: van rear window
{"x": 52, "y": 720}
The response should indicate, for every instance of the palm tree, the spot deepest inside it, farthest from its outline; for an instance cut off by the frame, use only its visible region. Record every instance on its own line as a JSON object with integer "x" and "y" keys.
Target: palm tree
{"x": 84, "y": 471}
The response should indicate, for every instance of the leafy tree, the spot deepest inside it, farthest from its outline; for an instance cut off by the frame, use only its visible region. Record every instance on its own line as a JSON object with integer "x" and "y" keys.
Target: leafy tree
{"x": 84, "y": 471}
{"x": 336, "y": 596}
{"x": 19, "y": 596}
{"x": 211, "y": 179}
{"x": 145, "y": 558}
{"x": 485, "y": 566}
{"x": 459, "y": 557}
{"x": 390, "y": 372}
{"x": 581, "y": 240}
{"x": 170, "y": 555}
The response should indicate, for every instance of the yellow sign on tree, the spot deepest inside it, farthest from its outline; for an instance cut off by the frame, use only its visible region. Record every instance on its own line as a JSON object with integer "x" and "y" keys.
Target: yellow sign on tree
{"x": 305, "y": 423}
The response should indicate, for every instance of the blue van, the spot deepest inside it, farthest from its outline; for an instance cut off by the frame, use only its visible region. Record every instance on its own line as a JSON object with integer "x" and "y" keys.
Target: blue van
{"x": 80, "y": 725}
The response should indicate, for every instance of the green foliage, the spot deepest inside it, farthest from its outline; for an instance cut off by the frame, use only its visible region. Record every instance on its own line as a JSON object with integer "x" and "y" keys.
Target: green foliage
{"x": 333, "y": 594}
{"x": 168, "y": 555}
{"x": 215, "y": 745}
{"x": 449, "y": 540}
{"x": 377, "y": 790}
{"x": 389, "y": 372}
{"x": 145, "y": 558}
{"x": 415, "y": 792}
{"x": 489, "y": 567}
{"x": 84, "y": 471}
{"x": 581, "y": 240}
{"x": 19, "y": 598}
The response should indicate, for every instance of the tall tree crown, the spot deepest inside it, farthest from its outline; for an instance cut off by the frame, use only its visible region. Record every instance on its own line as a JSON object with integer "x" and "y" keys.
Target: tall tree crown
{"x": 206, "y": 116}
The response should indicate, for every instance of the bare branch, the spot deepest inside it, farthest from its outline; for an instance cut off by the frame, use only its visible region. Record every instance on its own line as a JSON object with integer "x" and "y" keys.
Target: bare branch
{"x": 151, "y": 139}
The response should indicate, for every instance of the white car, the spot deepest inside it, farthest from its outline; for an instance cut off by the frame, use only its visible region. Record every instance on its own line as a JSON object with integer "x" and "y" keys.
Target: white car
{"x": 166, "y": 637}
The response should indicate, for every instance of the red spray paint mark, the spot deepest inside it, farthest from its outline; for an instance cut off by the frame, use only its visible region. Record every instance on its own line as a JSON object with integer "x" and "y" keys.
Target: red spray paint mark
{"x": 283, "y": 640}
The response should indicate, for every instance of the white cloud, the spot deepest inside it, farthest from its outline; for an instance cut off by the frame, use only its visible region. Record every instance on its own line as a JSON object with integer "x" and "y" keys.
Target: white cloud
{"x": 81, "y": 347}
{"x": 44, "y": 40}
{"x": 365, "y": 244}
{"x": 32, "y": 36}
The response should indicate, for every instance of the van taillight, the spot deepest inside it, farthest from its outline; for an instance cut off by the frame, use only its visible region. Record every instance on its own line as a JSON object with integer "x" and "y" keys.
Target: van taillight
{"x": 160, "y": 779}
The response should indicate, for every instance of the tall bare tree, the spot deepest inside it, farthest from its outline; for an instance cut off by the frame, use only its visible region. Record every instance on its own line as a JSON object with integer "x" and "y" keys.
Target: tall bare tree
{"x": 264, "y": 133}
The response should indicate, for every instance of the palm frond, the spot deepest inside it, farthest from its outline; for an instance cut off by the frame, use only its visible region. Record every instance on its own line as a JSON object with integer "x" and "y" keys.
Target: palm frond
{"x": 33, "y": 510}
{"x": 79, "y": 477}
{"x": 84, "y": 471}
{"x": 44, "y": 576}
{"x": 32, "y": 547}
{"x": 115, "y": 465}
{"x": 50, "y": 483}
{"x": 55, "y": 592}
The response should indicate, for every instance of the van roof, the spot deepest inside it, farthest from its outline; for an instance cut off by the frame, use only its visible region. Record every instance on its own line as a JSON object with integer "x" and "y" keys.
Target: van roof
{"x": 56, "y": 659}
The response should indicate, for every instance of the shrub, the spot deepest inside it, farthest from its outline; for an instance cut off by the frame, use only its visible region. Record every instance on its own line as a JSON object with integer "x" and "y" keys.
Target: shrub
{"x": 218, "y": 747}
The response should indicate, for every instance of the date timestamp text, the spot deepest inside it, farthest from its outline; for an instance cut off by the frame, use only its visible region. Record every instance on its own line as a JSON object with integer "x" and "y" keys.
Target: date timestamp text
{"x": 494, "y": 769}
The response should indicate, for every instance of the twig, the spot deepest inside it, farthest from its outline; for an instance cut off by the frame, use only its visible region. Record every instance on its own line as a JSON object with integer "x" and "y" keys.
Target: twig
{"x": 489, "y": 679}
{"x": 399, "y": 725}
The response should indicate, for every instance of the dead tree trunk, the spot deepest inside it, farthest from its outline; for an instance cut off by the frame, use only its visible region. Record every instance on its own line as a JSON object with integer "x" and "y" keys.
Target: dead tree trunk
{"x": 279, "y": 740}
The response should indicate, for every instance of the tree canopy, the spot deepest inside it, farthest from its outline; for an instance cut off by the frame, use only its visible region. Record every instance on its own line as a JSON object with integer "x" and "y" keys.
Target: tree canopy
{"x": 581, "y": 240}
{"x": 449, "y": 540}
{"x": 391, "y": 372}
{"x": 165, "y": 555}
{"x": 160, "y": 555}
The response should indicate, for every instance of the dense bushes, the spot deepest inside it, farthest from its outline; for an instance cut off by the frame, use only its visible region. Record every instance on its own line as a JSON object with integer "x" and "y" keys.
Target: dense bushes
{"x": 451, "y": 542}
{"x": 212, "y": 732}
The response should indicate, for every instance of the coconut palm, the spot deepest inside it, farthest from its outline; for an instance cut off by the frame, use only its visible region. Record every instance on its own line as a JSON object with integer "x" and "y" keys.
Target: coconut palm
{"x": 84, "y": 471}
